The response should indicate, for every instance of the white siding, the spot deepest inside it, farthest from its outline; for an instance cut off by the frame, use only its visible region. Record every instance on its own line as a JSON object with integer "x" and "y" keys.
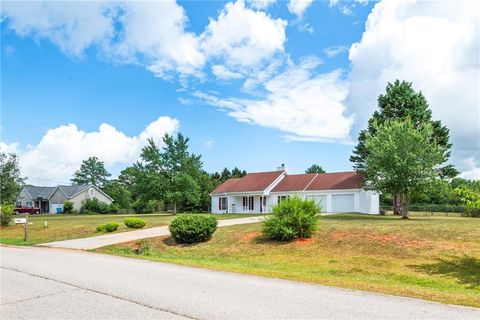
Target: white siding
{"x": 332, "y": 201}
{"x": 86, "y": 194}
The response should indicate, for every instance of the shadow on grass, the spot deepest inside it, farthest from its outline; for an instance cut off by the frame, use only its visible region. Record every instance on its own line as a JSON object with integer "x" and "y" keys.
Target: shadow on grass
{"x": 356, "y": 216}
{"x": 465, "y": 269}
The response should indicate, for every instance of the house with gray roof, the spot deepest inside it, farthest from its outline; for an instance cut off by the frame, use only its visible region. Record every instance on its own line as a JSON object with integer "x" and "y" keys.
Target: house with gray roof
{"x": 51, "y": 199}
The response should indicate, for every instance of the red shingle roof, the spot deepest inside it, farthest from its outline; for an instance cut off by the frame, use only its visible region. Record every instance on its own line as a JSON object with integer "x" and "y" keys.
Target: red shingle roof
{"x": 294, "y": 182}
{"x": 252, "y": 182}
{"x": 336, "y": 180}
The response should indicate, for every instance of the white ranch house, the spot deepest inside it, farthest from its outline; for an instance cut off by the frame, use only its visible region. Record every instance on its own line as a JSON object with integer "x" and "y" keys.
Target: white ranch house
{"x": 258, "y": 192}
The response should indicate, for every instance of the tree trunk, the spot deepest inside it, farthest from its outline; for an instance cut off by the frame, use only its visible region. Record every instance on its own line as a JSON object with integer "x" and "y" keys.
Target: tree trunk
{"x": 403, "y": 206}
{"x": 174, "y": 207}
{"x": 397, "y": 204}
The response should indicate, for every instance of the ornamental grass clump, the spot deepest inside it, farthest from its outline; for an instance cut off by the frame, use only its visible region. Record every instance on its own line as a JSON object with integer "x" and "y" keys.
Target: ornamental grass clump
{"x": 292, "y": 218}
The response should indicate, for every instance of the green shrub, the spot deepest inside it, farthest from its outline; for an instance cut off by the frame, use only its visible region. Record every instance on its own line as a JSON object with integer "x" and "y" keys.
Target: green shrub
{"x": 191, "y": 228}
{"x": 6, "y": 214}
{"x": 108, "y": 227}
{"x": 93, "y": 205}
{"x": 149, "y": 206}
{"x": 429, "y": 207}
{"x": 68, "y": 207}
{"x": 292, "y": 218}
{"x": 134, "y": 223}
{"x": 471, "y": 212}
{"x": 113, "y": 207}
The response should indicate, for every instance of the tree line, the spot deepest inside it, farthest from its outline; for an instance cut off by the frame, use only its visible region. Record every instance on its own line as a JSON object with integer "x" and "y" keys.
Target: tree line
{"x": 403, "y": 154}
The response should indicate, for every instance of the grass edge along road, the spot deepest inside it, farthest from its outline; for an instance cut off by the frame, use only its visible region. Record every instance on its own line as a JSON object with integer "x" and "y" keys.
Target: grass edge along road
{"x": 67, "y": 227}
{"x": 431, "y": 258}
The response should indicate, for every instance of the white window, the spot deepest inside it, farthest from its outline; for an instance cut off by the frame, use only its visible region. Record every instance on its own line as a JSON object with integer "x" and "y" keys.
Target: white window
{"x": 29, "y": 204}
{"x": 248, "y": 203}
{"x": 281, "y": 198}
{"x": 18, "y": 204}
{"x": 222, "y": 203}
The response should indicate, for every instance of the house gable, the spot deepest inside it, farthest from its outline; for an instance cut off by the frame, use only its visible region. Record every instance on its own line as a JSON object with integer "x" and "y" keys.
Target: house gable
{"x": 256, "y": 182}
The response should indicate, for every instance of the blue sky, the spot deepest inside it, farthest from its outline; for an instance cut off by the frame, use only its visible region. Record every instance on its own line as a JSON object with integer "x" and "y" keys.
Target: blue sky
{"x": 251, "y": 84}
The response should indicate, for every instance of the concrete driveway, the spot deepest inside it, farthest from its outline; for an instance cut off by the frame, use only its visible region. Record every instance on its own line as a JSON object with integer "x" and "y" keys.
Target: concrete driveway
{"x": 114, "y": 238}
{"x": 46, "y": 283}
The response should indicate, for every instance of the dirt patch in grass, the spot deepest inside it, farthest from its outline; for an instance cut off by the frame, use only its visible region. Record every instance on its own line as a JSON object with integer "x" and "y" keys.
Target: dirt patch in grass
{"x": 304, "y": 241}
{"x": 251, "y": 235}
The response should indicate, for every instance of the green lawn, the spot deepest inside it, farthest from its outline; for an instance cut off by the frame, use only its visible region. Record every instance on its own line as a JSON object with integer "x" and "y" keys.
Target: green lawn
{"x": 63, "y": 227}
{"x": 433, "y": 258}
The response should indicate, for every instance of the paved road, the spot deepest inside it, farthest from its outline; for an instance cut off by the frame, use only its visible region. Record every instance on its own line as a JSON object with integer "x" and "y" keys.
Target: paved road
{"x": 47, "y": 283}
{"x": 109, "y": 239}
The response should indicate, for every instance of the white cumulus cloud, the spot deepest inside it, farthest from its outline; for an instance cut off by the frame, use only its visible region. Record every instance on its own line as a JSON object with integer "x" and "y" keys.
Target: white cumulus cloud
{"x": 298, "y": 7}
{"x": 303, "y": 104}
{"x": 435, "y": 45}
{"x": 243, "y": 37}
{"x": 61, "y": 150}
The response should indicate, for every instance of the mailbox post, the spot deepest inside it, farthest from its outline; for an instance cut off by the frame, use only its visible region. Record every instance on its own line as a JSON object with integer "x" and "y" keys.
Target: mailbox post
{"x": 24, "y": 223}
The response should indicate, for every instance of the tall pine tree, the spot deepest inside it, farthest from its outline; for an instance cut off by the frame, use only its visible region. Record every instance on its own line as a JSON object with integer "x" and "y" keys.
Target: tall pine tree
{"x": 402, "y": 102}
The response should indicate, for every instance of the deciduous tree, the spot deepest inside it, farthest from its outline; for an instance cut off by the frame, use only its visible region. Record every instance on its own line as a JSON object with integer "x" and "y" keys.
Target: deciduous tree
{"x": 402, "y": 159}
{"x": 11, "y": 182}
{"x": 315, "y": 168}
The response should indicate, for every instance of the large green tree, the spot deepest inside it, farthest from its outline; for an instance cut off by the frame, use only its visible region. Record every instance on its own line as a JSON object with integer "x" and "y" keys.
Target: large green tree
{"x": 315, "y": 168}
{"x": 172, "y": 174}
{"x": 11, "y": 182}
{"x": 402, "y": 159}
{"x": 92, "y": 171}
{"x": 401, "y": 101}
{"x": 183, "y": 171}
{"x": 119, "y": 192}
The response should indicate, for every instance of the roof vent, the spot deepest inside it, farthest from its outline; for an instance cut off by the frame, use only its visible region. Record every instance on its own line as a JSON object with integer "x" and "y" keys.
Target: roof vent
{"x": 282, "y": 167}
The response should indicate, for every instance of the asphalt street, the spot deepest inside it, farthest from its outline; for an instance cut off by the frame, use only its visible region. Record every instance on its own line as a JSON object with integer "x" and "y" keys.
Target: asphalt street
{"x": 50, "y": 283}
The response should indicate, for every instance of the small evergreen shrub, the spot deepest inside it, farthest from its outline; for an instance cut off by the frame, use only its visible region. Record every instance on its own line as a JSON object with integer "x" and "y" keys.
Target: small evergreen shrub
{"x": 68, "y": 207}
{"x": 108, "y": 227}
{"x": 93, "y": 205}
{"x": 191, "y": 228}
{"x": 292, "y": 218}
{"x": 134, "y": 223}
{"x": 6, "y": 214}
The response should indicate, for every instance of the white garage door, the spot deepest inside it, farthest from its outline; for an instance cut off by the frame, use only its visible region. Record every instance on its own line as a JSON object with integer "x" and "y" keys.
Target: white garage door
{"x": 320, "y": 200}
{"x": 343, "y": 203}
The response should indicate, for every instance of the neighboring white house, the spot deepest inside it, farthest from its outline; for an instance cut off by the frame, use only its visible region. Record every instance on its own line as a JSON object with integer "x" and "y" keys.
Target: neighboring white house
{"x": 51, "y": 199}
{"x": 258, "y": 192}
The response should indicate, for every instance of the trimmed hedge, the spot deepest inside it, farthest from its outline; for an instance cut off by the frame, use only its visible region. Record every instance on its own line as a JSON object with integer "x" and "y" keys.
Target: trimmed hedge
{"x": 134, "y": 223}
{"x": 108, "y": 227}
{"x": 292, "y": 218}
{"x": 191, "y": 228}
{"x": 428, "y": 207}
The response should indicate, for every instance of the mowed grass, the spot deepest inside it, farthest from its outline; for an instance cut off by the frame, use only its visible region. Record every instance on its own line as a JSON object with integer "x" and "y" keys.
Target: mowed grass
{"x": 64, "y": 227}
{"x": 433, "y": 258}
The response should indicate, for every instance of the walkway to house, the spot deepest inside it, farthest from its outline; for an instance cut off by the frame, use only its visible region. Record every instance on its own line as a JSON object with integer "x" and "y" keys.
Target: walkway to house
{"x": 114, "y": 238}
